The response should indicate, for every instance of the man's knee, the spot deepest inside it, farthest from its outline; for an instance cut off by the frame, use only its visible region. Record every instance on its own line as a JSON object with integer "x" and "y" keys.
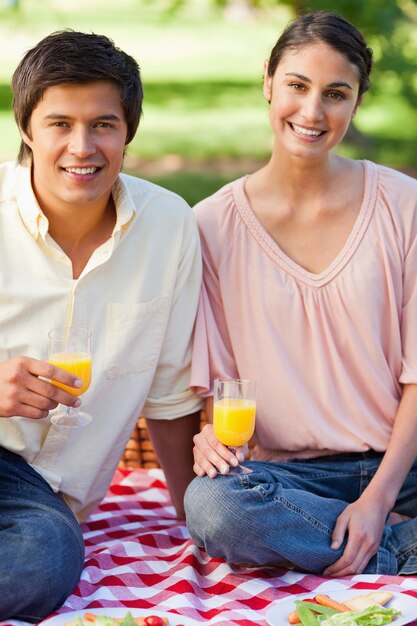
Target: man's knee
{"x": 46, "y": 550}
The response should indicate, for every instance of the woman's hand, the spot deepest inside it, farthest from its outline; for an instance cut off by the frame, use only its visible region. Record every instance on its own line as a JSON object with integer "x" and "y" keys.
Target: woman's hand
{"x": 211, "y": 456}
{"x": 364, "y": 522}
{"x": 364, "y": 519}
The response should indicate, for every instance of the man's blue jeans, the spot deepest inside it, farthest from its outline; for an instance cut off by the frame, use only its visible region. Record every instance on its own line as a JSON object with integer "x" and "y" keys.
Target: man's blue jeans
{"x": 287, "y": 512}
{"x": 41, "y": 545}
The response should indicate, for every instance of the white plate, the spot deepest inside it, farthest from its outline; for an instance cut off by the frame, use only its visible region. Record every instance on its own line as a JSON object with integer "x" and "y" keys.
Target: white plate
{"x": 277, "y": 615}
{"x": 174, "y": 620}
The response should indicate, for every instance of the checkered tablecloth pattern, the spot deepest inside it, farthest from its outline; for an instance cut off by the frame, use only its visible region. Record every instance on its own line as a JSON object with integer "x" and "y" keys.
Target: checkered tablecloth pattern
{"x": 138, "y": 555}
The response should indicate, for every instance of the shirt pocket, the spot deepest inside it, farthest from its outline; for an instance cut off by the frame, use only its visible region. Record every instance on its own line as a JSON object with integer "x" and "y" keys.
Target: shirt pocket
{"x": 134, "y": 334}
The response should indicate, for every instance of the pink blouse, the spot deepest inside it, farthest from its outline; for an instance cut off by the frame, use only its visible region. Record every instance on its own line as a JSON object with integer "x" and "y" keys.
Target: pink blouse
{"x": 330, "y": 351}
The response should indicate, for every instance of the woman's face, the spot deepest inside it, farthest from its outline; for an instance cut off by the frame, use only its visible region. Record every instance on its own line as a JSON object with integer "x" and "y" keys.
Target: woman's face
{"x": 313, "y": 96}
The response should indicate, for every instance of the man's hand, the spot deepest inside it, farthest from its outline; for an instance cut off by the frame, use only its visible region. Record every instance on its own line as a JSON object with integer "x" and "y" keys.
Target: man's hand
{"x": 24, "y": 393}
{"x": 364, "y": 524}
{"x": 211, "y": 456}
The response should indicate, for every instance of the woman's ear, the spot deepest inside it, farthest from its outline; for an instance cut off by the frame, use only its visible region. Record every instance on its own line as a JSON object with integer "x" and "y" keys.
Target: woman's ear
{"x": 357, "y": 105}
{"x": 267, "y": 89}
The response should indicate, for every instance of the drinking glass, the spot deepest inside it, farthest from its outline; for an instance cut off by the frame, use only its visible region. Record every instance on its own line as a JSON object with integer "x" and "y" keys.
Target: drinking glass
{"x": 70, "y": 349}
{"x": 234, "y": 414}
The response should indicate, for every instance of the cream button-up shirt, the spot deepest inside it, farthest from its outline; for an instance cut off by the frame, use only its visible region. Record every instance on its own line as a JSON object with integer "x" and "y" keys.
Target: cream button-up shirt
{"x": 138, "y": 295}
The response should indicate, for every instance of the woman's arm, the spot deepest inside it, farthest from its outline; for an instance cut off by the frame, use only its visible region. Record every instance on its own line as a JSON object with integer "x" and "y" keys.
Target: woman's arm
{"x": 364, "y": 519}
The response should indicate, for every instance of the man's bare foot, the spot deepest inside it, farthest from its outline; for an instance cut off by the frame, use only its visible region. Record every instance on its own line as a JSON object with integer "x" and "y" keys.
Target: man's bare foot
{"x": 396, "y": 518}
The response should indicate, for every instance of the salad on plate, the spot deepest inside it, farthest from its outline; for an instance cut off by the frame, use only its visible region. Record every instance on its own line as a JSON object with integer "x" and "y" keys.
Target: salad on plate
{"x": 361, "y": 610}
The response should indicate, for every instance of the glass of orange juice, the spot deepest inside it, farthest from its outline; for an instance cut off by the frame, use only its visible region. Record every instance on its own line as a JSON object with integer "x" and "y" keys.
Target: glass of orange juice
{"x": 70, "y": 349}
{"x": 234, "y": 411}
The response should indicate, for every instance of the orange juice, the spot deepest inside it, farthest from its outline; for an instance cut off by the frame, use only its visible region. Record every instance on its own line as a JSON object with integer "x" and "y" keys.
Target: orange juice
{"x": 77, "y": 363}
{"x": 234, "y": 420}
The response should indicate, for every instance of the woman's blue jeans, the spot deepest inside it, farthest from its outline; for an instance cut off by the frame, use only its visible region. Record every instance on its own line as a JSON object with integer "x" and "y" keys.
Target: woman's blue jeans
{"x": 41, "y": 545}
{"x": 287, "y": 512}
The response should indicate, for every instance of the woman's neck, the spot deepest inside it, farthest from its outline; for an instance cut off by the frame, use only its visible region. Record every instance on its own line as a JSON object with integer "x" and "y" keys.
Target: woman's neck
{"x": 298, "y": 178}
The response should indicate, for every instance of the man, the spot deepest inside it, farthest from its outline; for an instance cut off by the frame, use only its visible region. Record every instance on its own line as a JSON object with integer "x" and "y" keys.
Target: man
{"x": 83, "y": 245}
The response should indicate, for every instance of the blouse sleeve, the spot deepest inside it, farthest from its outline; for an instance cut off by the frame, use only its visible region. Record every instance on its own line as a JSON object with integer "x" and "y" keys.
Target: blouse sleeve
{"x": 409, "y": 318}
{"x": 408, "y": 205}
{"x": 213, "y": 355}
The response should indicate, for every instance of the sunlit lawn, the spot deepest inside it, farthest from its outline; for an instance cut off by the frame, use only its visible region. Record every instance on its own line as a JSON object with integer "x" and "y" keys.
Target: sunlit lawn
{"x": 205, "y": 119}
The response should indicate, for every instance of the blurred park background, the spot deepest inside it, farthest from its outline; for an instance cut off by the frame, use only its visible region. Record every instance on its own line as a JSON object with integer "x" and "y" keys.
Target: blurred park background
{"x": 205, "y": 120}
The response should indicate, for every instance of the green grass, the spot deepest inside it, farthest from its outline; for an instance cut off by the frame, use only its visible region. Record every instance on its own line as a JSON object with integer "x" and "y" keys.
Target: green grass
{"x": 205, "y": 119}
{"x": 196, "y": 45}
{"x": 202, "y": 132}
{"x": 202, "y": 80}
{"x": 390, "y": 124}
{"x": 193, "y": 186}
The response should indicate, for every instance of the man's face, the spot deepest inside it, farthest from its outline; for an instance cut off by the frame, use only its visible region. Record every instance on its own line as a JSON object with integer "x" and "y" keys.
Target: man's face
{"x": 77, "y": 134}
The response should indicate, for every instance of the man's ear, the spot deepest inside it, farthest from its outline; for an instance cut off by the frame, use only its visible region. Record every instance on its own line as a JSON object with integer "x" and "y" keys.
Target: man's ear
{"x": 267, "y": 89}
{"x": 25, "y": 136}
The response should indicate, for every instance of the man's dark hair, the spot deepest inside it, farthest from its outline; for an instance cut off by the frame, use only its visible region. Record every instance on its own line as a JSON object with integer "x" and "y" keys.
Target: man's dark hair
{"x": 68, "y": 56}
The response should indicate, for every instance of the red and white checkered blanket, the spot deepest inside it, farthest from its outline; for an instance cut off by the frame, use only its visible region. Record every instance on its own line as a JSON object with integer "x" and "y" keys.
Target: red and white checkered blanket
{"x": 138, "y": 555}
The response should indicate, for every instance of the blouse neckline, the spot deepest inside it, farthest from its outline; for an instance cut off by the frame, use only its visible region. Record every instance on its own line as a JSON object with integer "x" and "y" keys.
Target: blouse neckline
{"x": 278, "y": 256}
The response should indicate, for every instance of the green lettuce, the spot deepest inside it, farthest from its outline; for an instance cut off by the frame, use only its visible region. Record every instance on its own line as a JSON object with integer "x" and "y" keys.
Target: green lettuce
{"x": 372, "y": 616}
{"x": 128, "y": 620}
{"x": 103, "y": 620}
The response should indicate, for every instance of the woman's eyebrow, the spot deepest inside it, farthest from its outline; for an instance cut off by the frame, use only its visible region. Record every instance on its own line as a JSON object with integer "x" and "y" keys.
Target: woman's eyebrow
{"x": 308, "y": 80}
{"x": 300, "y": 76}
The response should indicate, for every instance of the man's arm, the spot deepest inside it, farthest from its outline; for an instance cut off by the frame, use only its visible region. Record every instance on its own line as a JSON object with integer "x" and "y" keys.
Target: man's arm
{"x": 172, "y": 441}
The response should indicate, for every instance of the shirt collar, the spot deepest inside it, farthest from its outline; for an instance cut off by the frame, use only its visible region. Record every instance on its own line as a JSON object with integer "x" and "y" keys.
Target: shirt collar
{"x": 35, "y": 219}
{"x": 125, "y": 206}
{"x": 32, "y": 216}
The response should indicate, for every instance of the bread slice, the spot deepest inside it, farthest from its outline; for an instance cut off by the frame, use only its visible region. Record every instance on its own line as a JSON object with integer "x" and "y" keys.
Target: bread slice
{"x": 373, "y": 598}
{"x": 382, "y": 597}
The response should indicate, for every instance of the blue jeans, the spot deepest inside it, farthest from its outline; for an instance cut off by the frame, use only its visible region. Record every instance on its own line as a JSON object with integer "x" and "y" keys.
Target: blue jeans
{"x": 41, "y": 544}
{"x": 287, "y": 512}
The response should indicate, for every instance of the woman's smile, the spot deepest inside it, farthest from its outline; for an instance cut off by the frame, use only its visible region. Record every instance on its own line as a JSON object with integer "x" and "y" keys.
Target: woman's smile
{"x": 309, "y": 133}
{"x": 313, "y": 94}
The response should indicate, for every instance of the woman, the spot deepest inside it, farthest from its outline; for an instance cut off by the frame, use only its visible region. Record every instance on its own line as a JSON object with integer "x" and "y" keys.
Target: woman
{"x": 310, "y": 287}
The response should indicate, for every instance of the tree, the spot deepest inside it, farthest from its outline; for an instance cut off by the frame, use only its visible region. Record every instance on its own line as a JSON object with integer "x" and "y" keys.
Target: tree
{"x": 388, "y": 26}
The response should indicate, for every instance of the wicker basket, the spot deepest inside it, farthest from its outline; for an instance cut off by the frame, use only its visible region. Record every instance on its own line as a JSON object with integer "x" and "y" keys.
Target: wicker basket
{"x": 139, "y": 451}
